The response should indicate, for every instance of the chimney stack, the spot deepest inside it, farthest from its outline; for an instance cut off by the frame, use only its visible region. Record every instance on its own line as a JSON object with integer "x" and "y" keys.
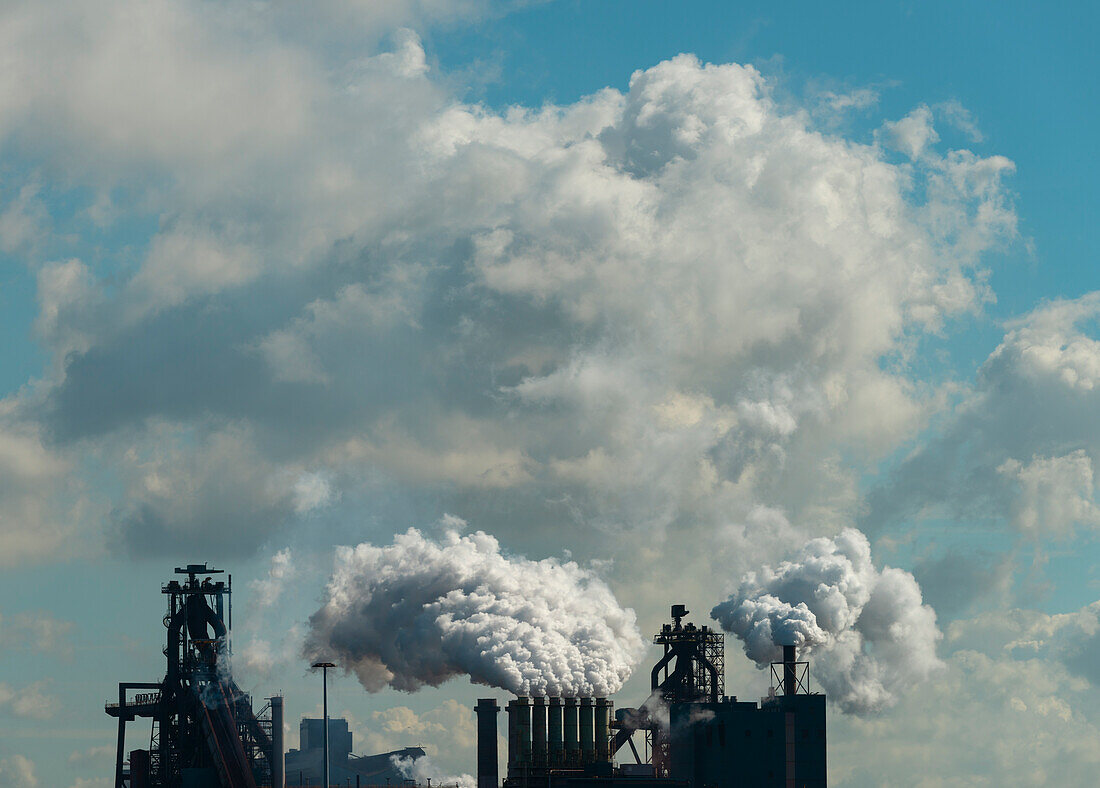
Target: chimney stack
{"x": 603, "y": 730}
{"x": 538, "y": 732}
{"x": 571, "y": 733}
{"x": 587, "y": 730}
{"x": 555, "y": 743}
{"x": 790, "y": 670}
{"x": 487, "y": 773}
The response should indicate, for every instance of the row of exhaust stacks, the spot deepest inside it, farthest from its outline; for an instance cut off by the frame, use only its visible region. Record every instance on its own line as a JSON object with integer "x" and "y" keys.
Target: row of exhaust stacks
{"x": 558, "y": 733}
{"x": 553, "y": 733}
{"x": 544, "y": 734}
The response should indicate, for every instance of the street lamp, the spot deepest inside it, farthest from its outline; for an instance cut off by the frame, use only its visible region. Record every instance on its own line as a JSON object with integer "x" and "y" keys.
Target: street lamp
{"x": 324, "y": 666}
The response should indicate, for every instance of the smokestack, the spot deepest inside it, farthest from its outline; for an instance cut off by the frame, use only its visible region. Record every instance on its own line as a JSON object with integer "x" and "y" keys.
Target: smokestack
{"x": 538, "y": 732}
{"x": 603, "y": 730}
{"x": 790, "y": 677}
{"x": 513, "y": 736}
{"x": 523, "y": 711}
{"x": 487, "y": 773}
{"x": 587, "y": 731}
{"x": 571, "y": 734}
{"x": 555, "y": 745}
{"x": 278, "y": 748}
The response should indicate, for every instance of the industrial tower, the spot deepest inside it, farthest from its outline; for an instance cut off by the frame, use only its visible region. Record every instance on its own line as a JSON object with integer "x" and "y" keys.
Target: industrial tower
{"x": 204, "y": 732}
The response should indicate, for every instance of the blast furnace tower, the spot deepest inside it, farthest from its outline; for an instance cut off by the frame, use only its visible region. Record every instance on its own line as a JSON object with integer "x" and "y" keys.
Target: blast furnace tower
{"x": 204, "y": 732}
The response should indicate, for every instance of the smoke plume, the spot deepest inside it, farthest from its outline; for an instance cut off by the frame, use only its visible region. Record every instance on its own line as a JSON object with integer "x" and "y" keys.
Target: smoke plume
{"x": 423, "y": 769}
{"x": 420, "y": 612}
{"x": 869, "y": 633}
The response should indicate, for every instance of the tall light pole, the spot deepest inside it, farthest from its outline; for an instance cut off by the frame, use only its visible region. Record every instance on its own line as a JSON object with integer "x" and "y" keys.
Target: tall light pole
{"x": 324, "y": 666}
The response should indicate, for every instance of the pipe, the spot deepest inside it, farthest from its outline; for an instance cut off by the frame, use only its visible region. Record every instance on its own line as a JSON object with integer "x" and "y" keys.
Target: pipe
{"x": 487, "y": 772}
{"x": 570, "y": 733}
{"x": 603, "y": 730}
{"x": 587, "y": 730}
{"x": 278, "y": 764}
{"x": 555, "y": 744}
{"x": 538, "y": 732}
{"x": 790, "y": 671}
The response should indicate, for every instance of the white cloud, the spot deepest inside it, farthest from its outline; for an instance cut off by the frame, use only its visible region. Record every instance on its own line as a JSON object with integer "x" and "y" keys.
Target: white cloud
{"x": 17, "y": 771}
{"x": 913, "y": 134}
{"x": 44, "y": 505}
{"x": 448, "y": 731}
{"x": 1055, "y": 494}
{"x": 1019, "y": 447}
{"x": 28, "y": 702}
{"x": 957, "y": 115}
{"x": 38, "y": 631}
{"x": 24, "y": 220}
{"x": 669, "y": 309}
{"x": 1012, "y": 677}
{"x": 101, "y": 757}
{"x": 869, "y": 634}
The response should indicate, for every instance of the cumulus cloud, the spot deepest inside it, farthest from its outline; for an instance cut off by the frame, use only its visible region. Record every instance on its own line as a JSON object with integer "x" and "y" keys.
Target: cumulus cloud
{"x": 450, "y": 727}
{"x": 217, "y": 486}
{"x": 648, "y": 308}
{"x": 92, "y": 782}
{"x": 281, "y": 571}
{"x": 421, "y": 612}
{"x": 1054, "y": 494}
{"x": 1009, "y": 678}
{"x": 37, "y": 631}
{"x": 17, "y": 771}
{"x": 867, "y": 631}
{"x": 29, "y": 702}
{"x": 43, "y": 506}
{"x": 1018, "y": 450}
{"x": 93, "y": 758}
{"x": 912, "y": 134}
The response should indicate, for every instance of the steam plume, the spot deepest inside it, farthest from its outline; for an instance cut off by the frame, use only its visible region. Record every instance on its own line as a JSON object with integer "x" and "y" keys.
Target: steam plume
{"x": 869, "y": 632}
{"x": 420, "y": 612}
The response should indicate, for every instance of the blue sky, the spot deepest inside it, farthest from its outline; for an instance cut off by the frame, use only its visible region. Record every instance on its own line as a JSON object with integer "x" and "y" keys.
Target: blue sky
{"x": 668, "y": 289}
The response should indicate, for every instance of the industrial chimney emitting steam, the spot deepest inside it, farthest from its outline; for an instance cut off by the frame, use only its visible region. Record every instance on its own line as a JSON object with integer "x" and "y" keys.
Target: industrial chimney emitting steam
{"x": 557, "y": 734}
{"x": 696, "y": 736}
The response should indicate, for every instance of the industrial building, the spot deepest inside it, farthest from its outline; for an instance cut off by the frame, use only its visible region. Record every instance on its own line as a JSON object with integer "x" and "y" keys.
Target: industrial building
{"x": 305, "y": 765}
{"x": 204, "y": 731}
{"x": 693, "y": 735}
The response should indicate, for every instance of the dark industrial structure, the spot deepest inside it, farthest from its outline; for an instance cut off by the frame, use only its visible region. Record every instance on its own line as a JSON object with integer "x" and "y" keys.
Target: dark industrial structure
{"x": 305, "y": 765}
{"x": 693, "y": 735}
{"x": 204, "y": 732}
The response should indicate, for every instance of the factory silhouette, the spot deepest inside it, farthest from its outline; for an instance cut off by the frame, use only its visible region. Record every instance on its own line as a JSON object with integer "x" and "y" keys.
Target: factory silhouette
{"x": 207, "y": 733}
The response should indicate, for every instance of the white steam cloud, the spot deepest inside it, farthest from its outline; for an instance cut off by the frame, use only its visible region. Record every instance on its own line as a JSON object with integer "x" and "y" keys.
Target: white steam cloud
{"x": 421, "y": 612}
{"x": 423, "y": 769}
{"x": 868, "y": 631}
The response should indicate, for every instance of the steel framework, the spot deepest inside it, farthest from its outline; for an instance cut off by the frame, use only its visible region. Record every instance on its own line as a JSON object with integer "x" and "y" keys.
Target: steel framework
{"x": 202, "y": 724}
